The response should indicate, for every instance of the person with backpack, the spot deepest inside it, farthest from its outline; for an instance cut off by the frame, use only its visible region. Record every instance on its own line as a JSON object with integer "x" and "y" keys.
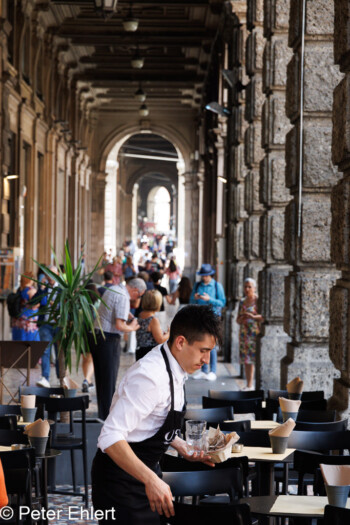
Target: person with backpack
{"x": 208, "y": 291}
{"x": 23, "y": 312}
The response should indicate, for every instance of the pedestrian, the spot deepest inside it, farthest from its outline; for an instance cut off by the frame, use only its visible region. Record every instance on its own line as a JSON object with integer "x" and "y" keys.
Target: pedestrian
{"x": 24, "y": 327}
{"x": 183, "y": 293}
{"x": 108, "y": 282}
{"x": 116, "y": 269}
{"x": 150, "y": 333}
{"x": 114, "y": 320}
{"x": 47, "y": 332}
{"x": 249, "y": 320}
{"x": 208, "y": 291}
{"x": 146, "y": 417}
{"x": 129, "y": 269}
{"x": 173, "y": 273}
{"x": 156, "y": 278}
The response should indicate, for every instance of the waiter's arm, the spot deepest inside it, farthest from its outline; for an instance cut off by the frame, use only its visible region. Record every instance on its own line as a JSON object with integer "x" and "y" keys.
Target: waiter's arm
{"x": 158, "y": 492}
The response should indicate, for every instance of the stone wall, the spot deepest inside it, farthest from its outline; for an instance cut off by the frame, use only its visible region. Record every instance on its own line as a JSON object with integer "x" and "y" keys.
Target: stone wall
{"x": 312, "y": 276}
{"x": 340, "y": 207}
{"x": 273, "y": 194}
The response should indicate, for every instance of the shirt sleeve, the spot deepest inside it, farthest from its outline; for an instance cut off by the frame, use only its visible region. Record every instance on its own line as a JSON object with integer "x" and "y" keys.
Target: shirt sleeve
{"x": 136, "y": 399}
{"x": 220, "y": 299}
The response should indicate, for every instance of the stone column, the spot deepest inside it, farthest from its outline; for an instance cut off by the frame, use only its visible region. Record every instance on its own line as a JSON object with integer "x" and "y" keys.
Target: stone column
{"x": 97, "y": 214}
{"x": 253, "y": 150}
{"x": 340, "y": 295}
{"x": 313, "y": 274}
{"x": 274, "y": 194}
{"x": 236, "y": 213}
{"x": 191, "y": 235}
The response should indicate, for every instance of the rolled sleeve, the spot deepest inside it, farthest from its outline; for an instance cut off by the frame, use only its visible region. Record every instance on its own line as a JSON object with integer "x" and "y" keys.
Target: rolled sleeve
{"x": 135, "y": 400}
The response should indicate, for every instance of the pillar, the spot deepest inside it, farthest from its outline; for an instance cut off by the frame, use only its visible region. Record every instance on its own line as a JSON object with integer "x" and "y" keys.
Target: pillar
{"x": 313, "y": 274}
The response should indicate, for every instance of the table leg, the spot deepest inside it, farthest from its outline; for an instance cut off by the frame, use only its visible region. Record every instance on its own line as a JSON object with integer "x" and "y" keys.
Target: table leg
{"x": 44, "y": 489}
{"x": 266, "y": 486}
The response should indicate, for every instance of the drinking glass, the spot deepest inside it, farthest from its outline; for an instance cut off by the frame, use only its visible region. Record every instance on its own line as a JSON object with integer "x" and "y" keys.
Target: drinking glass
{"x": 195, "y": 435}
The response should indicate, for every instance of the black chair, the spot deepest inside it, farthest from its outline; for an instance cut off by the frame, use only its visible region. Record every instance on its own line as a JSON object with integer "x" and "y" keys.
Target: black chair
{"x": 171, "y": 463}
{"x": 18, "y": 468}
{"x": 324, "y": 442}
{"x": 40, "y": 391}
{"x": 236, "y": 426}
{"x": 236, "y": 394}
{"x": 310, "y": 395}
{"x": 318, "y": 404}
{"x": 336, "y": 515}
{"x": 208, "y": 482}
{"x": 240, "y": 406}
{"x": 258, "y": 438}
{"x": 335, "y": 426}
{"x": 308, "y": 464}
{"x": 317, "y": 416}
{"x": 8, "y": 422}
{"x": 11, "y": 437}
{"x": 214, "y": 416}
{"x": 209, "y": 514}
{"x": 69, "y": 441}
{"x": 10, "y": 409}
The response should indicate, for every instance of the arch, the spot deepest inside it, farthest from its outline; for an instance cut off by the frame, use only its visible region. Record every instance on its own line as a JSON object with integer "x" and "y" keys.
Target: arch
{"x": 137, "y": 175}
{"x": 117, "y": 137}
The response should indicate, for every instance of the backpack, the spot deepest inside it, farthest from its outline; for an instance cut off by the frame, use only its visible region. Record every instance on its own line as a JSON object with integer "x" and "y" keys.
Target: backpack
{"x": 13, "y": 302}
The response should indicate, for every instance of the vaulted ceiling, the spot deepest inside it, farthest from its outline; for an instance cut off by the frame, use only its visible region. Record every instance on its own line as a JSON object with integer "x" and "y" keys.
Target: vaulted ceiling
{"x": 175, "y": 38}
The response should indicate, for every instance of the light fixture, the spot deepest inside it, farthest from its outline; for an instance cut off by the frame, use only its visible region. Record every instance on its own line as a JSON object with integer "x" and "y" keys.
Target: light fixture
{"x": 215, "y": 107}
{"x": 11, "y": 177}
{"x": 222, "y": 179}
{"x": 106, "y": 7}
{"x": 140, "y": 95}
{"x": 229, "y": 76}
{"x": 137, "y": 60}
{"x": 143, "y": 111}
{"x": 130, "y": 23}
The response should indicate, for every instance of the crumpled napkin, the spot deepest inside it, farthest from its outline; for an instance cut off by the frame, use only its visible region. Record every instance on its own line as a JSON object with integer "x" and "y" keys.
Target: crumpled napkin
{"x": 295, "y": 386}
{"x": 283, "y": 430}
{"x": 70, "y": 384}
{"x": 40, "y": 428}
{"x": 338, "y": 475}
{"x": 220, "y": 444}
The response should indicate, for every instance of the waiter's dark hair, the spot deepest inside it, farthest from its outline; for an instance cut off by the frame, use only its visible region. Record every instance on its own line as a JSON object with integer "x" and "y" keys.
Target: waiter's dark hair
{"x": 194, "y": 322}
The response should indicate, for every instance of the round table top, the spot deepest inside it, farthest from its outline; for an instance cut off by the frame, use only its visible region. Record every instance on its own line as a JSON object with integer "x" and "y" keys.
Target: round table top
{"x": 49, "y": 453}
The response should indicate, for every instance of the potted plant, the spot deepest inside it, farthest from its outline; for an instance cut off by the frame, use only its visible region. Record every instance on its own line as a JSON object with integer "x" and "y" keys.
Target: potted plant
{"x": 70, "y": 309}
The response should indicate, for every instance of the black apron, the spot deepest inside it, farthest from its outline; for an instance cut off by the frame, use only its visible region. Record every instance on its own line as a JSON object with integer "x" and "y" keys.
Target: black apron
{"x": 112, "y": 487}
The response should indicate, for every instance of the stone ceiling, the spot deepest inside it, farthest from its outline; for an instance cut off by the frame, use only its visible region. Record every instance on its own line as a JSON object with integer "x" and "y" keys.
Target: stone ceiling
{"x": 175, "y": 38}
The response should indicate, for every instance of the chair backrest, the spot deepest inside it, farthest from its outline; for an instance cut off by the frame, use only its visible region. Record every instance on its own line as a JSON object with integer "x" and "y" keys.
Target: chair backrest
{"x": 170, "y": 463}
{"x": 240, "y": 406}
{"x": 309, "y": 463}
{"x": 275, "y": 394}
{"x": 322, "y": 427}
{"x": 319, "y": 441}
{"x": 10, "y": 409}
{"x": 318, "y": 404}
{"x": 8, "y": 422}
{"x": 310, "y": 395}
{"x": 336, "y": 515}
{"x": 236, "y": 394}
{"x": 236, "y": 426}
{"x": 54, "y": 406}
{"x": 200, "y": 483}
{"x": 211, "y": 415}
{"x": 316, "y": 416}
{"x": 18, "y": 468}
{"x": 257, "y": 438}
{"x": 208, "y": 514}
{"x": 11, "y": 437}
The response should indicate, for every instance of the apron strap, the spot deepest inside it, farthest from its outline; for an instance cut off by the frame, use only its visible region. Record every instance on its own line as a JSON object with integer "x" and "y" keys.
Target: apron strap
{"x": 170, "y": 377}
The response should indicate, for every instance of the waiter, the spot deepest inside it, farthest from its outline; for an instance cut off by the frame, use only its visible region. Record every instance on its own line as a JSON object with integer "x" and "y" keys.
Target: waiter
{"x": 145, "y": 418}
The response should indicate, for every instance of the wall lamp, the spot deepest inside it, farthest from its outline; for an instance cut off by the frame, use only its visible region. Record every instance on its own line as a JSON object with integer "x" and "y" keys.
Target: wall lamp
{"x": 229, "y": 76}
{"x": 222, "y": 179}
{"x": 11, "y": 177}
{"x": 215, "y": 107}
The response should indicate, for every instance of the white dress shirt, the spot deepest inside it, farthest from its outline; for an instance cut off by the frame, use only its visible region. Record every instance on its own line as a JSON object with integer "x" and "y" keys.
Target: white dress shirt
{"x": 142, "y": 401}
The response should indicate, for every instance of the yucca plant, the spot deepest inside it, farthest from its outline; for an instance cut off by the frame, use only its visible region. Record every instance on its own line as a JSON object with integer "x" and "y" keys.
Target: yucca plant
{"x": 70, "y": 309}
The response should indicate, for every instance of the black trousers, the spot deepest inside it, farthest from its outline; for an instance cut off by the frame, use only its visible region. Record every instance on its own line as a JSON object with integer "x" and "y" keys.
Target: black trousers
{"x": 106, "y": 357}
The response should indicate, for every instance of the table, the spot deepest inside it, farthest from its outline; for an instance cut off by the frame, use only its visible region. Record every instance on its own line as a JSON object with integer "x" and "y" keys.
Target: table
{"x": 264, "y": 424}
{"x": 311, "y": 507}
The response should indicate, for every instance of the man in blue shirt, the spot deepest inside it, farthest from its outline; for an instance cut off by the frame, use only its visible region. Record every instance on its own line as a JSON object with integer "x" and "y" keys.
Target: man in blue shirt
{"x": 208, "y": 291}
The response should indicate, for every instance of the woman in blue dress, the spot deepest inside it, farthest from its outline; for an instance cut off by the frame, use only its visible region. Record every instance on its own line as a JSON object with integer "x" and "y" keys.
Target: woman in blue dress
{"x": 25, "y": 328}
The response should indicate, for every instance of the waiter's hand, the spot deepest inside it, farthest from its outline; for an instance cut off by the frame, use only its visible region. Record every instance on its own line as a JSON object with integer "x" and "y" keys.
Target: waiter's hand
{"x": 181, "y": 446}
{"x": 159, "y": 496}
